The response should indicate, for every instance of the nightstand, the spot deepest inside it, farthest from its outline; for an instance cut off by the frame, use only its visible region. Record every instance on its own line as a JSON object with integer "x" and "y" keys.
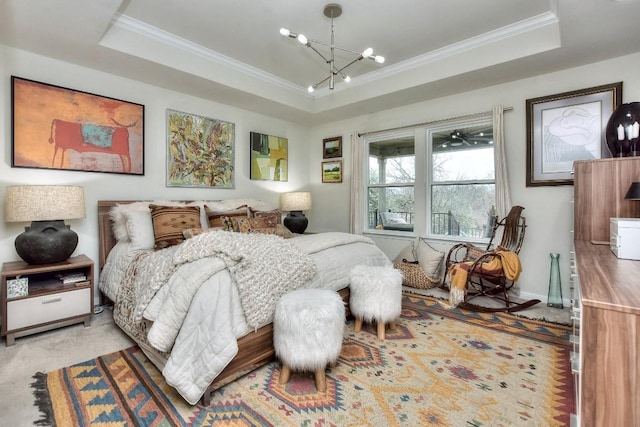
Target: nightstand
{"x": 48, "y": 303}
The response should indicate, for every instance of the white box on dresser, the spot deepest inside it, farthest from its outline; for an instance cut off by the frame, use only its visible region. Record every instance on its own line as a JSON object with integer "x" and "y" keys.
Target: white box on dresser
{"x": 625, "y": 237}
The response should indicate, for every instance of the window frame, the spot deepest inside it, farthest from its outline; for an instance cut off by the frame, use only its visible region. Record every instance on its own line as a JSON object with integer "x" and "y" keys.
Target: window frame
{"x": 430, "y": 182}
{"x": 386, "y": 136}
{"x": 423, "y": 182}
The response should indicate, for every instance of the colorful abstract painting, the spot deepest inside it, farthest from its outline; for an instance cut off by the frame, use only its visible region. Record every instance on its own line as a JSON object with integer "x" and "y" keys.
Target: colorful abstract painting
{"x": 269, "y": 157}
{"x": 60, "y": 128}
{"x": 200, "y": 151}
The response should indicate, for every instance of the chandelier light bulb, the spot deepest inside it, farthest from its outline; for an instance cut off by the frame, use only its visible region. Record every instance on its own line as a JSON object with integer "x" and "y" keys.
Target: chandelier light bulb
{"x": 310, "y": 89}
{"x": 302, "y": 39}
{"x": 347, "y": 79}
{"x": 367, "y": 52}
{"x": 285, "y": 32}
{"x": 379, "y": 59}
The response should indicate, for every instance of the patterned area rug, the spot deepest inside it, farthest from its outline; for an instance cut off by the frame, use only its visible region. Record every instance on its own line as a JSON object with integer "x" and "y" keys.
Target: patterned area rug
{"x": 440, "y": 367}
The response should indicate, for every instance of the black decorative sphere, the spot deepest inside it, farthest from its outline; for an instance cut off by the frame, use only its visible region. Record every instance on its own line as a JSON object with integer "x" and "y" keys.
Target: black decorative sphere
{"x": 296, "y": 222}
{"x": 622, "y": 131}
{"x": 46, "y": 242}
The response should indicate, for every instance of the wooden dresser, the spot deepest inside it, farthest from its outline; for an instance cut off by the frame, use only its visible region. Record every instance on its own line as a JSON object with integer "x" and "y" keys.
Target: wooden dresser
{"x": 607, "y": 308}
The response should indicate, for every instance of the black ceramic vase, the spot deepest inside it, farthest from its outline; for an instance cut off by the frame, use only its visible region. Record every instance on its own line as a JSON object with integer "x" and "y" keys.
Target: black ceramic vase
{"x": 46, "y": 242}
{"x": 622, "y": 132}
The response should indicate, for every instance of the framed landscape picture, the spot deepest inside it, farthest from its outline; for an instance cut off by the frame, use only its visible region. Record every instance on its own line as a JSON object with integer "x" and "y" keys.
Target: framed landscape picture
{"x": 332, "y": 171}
{"x": 200, "y": 151}
{"x": 60, "y": 128}
{"x": 566, "y": 127}
{"x": 269, "y": 157}
{"x": 332, "y": 147}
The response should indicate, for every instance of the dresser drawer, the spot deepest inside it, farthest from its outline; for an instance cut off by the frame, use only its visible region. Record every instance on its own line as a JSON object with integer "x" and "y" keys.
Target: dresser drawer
{"x": 47, "y": 308}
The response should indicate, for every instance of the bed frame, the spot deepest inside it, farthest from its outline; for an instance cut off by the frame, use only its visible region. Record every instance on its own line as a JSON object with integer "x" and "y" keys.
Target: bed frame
{"x": 254, "y": 349}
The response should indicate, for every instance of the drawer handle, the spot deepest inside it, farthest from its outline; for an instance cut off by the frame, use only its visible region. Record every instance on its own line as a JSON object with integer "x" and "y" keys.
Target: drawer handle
{"x": 50, "y": 300}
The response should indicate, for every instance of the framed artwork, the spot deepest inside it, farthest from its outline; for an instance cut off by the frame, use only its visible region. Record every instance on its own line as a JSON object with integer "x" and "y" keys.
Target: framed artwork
{"x": 332, "y": 171}
{"x": 60, "y": 128}
{"x": 269, "y": 157}
{"x": 332, "y": 147}
{"x": 566, "y": 127}
{"x": 200, "y": 151}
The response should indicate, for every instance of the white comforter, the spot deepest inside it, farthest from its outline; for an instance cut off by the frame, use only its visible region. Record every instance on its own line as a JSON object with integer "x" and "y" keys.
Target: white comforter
{"x": 200, "y": 322}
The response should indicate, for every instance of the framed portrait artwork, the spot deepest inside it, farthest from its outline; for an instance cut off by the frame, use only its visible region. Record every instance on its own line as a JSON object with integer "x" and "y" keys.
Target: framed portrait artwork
{"x": 332, "y": 171}
{"x": 69, "y": 129}
{"x": 566, "y": 127}
{"x": 200, "y": 151}
{"x": 269, "y": 157}
{"x": 332, "y": 147}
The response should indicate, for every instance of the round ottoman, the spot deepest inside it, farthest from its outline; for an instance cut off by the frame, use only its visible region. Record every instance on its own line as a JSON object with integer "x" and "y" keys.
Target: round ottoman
{"x": 308, "y": 327}
{"x": 375, "y": 294}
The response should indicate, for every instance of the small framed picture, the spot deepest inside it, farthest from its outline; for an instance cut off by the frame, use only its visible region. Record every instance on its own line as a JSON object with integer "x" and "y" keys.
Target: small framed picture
{"x": 332, "y": 147}
{"x": 18, "y": 287}
{"x": 332, "y": 171}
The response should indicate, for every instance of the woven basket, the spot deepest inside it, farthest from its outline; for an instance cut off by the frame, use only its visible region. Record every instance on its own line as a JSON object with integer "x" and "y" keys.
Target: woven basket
{"x": 414, "y": 276}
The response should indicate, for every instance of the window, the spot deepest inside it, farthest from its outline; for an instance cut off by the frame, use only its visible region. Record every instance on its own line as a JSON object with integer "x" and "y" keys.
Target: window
{"x": 390, "y": 184}
{"x": 462, "y": 180}
{"x": 456, "y": 184}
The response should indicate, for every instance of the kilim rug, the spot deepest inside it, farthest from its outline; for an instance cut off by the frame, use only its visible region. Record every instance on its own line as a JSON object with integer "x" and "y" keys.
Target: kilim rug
{"x": 440, "y": 367}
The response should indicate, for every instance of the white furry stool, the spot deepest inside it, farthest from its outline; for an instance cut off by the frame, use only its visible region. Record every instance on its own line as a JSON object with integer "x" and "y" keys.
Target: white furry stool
{"x": 376, "y": 294}
{"x": 308, "y": 327}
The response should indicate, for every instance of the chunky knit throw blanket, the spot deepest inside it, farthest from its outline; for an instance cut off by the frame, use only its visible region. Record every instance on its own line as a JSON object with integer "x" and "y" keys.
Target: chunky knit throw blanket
{"x": 264, "y": 267}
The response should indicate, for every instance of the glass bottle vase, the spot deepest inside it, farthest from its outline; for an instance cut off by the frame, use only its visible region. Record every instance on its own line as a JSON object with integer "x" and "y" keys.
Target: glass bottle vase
{"x": 554, "y": 298}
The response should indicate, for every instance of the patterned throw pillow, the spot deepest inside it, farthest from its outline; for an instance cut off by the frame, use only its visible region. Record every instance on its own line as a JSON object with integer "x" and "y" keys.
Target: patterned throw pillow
{"x": 169, "y": 221}
{"x": 275, "y": 213}
{"x": 188, "y": 233}
{"x": 217, "y": 218}
{"x": 265, "y": 225}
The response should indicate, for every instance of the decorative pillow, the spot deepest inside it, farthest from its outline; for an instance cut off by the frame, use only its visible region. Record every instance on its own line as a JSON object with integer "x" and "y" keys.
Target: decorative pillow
{"x": 216, "y": 218}
{"x": 260, "y": 226}
{"x": 429, "y": 259}
{"x": 407, "y": 253}
{"x": 188, "y": 233}
{"x": 474, "y": 252}
{"x": 118, "y": 219}
{"x": 139, "y": 229}
{"x": 275, "y": 213}
{"x": 169, "y": 221}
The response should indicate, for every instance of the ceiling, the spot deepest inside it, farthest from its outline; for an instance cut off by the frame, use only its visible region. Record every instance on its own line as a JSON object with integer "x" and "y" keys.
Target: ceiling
{"x": 232, "y": 52}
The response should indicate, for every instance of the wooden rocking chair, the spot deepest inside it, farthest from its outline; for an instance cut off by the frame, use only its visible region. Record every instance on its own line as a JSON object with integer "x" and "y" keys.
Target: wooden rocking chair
{"x": 489, "y": 272}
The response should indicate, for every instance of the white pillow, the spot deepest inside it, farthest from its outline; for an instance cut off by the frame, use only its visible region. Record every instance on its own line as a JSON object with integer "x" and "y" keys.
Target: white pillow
{"x": 428, "y": 258}
{"x": 407, "y": 253}
{"x": 140, "y": 229}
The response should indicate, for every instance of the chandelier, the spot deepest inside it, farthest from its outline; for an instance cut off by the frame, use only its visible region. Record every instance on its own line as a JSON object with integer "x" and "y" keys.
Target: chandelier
{"x": 332, "y": 10}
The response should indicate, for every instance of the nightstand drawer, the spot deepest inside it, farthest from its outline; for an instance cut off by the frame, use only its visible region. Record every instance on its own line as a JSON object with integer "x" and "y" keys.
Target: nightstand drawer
{"x": 47, "y": 308}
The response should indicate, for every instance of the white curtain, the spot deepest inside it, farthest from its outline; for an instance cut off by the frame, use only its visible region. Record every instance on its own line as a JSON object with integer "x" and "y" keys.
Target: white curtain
{"x": 503, "y": 194}
{"x": 356, "y": 223}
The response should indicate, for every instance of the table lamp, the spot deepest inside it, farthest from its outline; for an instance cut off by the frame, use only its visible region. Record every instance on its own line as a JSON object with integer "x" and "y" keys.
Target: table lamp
{"x": 295, "y": 203}
{"x": 48, "y": 240}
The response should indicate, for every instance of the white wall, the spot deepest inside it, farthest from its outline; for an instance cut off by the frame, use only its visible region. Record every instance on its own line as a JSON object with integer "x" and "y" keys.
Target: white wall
{"x": 548, "y": 209}
{"x": 103, "y": 186}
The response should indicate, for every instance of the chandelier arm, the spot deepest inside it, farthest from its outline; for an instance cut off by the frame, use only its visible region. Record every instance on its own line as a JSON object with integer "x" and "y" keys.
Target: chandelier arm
{"x": 322, "y": 81}
{"x": 319, "y": 53}
{"x": 349, "y": 64}
{"x": 344, "y": 49}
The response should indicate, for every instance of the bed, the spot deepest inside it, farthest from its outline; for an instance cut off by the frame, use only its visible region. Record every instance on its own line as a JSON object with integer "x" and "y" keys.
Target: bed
{"x": 199, "y": 308}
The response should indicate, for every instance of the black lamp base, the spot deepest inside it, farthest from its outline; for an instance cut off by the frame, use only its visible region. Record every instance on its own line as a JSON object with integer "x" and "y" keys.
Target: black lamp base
{"x": 296, "y": 222}
{"x": 46, "y": 242}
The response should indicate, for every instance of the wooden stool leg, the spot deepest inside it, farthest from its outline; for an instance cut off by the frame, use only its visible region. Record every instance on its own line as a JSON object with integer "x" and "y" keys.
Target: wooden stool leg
{"x": 358, "y": 324}
{"x": 285, "y": 373}
{"x": 392, "y": 325}
{"x": 381, "y": 330}
{"x": 321, "y": 380}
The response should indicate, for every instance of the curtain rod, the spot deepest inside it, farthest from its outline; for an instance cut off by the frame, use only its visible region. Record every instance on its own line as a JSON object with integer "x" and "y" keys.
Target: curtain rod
{"x": 468, "y": 116}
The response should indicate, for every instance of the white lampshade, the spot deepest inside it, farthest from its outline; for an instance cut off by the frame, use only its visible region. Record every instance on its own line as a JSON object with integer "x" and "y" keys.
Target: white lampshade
{"x": 24, "y": 203}
{"x": 296, "y": 201}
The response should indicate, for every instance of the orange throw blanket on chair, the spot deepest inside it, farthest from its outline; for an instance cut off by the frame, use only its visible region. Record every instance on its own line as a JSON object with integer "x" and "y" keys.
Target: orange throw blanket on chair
{"x": 503, "y": 262}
